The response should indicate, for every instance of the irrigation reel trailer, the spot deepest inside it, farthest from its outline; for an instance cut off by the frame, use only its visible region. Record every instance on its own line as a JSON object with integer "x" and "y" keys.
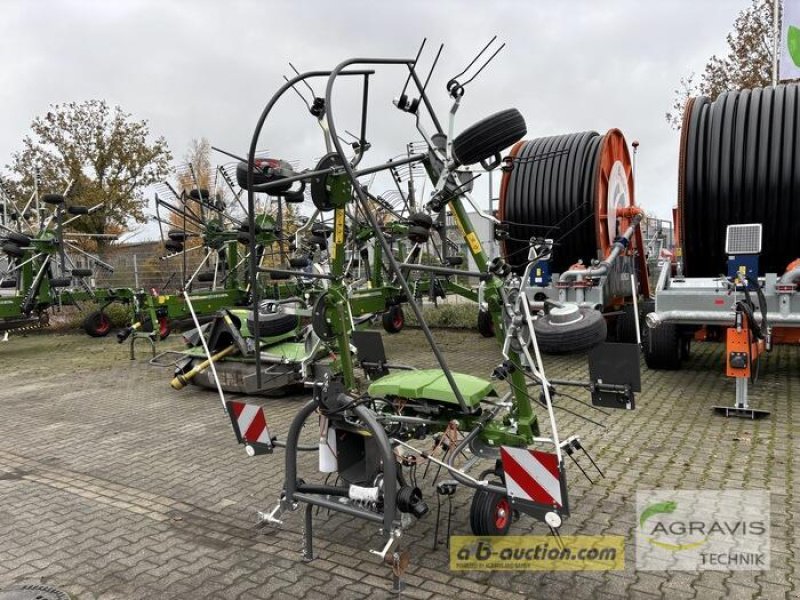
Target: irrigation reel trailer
{"x": 41, "y": 272}
{"x": 572, "y": 196}
{"x": 737, "y": 267}
{"x": 367, "y": 430}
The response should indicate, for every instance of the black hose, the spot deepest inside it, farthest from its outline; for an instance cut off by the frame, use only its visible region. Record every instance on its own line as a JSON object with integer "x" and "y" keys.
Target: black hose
{"x": 740, "y": 163}
{"x": 552, "y": 191}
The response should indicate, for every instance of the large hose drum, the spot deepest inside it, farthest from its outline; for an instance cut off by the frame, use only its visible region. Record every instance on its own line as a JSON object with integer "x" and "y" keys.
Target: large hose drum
{"x": 740, "y": 163}
{"x": 566, "y": 187}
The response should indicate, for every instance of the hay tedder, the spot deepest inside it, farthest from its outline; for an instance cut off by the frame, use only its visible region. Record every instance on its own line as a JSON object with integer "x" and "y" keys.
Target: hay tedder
{"x": 374, "y": 415}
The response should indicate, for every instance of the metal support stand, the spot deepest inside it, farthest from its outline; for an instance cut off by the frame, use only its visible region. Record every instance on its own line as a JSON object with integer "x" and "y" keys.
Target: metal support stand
{"x": 149, "y": 336}
{"x": 742, "y": 408}
{"x": 308, "y": 548}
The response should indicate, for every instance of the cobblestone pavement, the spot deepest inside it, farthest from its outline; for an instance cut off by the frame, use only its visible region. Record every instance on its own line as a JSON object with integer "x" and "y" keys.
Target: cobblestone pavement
{"x": 112, "y": 485}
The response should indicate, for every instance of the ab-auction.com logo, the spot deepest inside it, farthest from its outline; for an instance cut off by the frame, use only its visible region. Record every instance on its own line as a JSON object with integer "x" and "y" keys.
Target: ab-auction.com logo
{"x": 691, "y": 530}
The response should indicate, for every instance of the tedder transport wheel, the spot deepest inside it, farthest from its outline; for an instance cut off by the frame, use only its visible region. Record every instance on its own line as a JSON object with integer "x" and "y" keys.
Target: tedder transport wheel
{"x": 570, "y": 329}
{"x": 662, "y": 347}
{"x": 488, "y": 137}
{"x": 485, "y": 325}
{"x": 490, "y": 513}
{"x": 97, "y": 324}
{"x": 393, "y": 319}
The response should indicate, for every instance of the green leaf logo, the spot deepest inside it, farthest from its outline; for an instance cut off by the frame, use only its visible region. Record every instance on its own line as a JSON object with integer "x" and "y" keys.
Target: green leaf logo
{"x": 793, "y": 41}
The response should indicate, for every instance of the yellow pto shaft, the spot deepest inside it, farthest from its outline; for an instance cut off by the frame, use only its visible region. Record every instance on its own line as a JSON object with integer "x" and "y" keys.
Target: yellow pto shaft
{"x": 181, "y": 381}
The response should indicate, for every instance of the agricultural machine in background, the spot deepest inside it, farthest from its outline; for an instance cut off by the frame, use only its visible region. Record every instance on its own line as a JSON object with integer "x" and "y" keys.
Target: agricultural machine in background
{"x": 736, "y": 273}
{"x": 373, "y": 414}
{"x": 40, "y": 271}
{"x": 572, "y": 198}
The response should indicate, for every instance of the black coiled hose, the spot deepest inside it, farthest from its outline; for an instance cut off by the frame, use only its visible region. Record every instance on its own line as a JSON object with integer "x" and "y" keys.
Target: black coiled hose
{"x": 740, "y": 163}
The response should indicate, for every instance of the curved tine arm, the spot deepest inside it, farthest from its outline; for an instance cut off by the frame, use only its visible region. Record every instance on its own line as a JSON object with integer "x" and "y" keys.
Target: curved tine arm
{"x": 362, "y": 198}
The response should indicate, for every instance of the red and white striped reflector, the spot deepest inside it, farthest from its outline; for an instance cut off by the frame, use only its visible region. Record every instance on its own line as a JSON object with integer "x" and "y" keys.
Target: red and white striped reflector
{"x": 532, "y": 475}
{"x": 250, "y": 423}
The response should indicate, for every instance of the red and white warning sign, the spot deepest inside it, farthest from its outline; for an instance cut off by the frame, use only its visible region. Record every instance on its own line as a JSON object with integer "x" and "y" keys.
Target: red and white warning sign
{"x": 532, "y": 475}
{"x": 250, "y": 423}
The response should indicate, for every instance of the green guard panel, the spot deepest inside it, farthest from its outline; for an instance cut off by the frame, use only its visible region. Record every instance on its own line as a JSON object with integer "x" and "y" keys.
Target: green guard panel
{"x": 431, "y": 384}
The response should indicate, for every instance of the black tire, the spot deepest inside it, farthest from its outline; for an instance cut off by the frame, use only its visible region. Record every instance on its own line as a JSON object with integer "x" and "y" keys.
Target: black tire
{"x": 625, "y": 325}
{"x": 454, "y": 261}
{"x": 418, "y": 234}
{"x": 393, "y": 320}
{"x": 53, "y": 199}
{"x": 662, "y": 347}
{"x": 421, "y": 219}
{"x": 8, "y": 283}
{"x": 177, "y": 235}
{"x": 490, "y": 513}
{"x": 164, "y": 327}
{"x": 11, "y": 249}
{"x": 318, "y": 241}
{"x": 81, "y": 272}
{"x": 60, "y": 282}
{"x": 489, "y": 137}
{"x": 20, "y": 239}
{"x": 78, "y": 210}
{"x": 270, "y": 325}
{"x": 574, "y": 337}
{"x": 173, "y": 246}
{"x": 299, "y": 262}
{"x": 205, "y": 276}
{"x": 97, "y": 324}
{"x": 201, "y": 194}
{"x": 485, "y": 324}
{"x": 322, "y": 230}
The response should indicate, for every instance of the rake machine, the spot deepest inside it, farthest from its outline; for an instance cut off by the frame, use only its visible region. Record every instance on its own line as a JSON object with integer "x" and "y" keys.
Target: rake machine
{"x": 375, "y": 416}
{"x": 40, "y": 269}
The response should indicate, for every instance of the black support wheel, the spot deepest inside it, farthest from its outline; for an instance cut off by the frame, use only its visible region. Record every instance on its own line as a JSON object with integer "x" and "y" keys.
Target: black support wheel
{"x": 97, "y": 324}
{"x": 393, "y": 320}
{"x": 489, "y": 136}
{"x": 490, "y": 513}
{"x": 625, "y": 325}
{"x": 663, "y": 347}
{"x": 485, "y": 324}
{"x": 570, "y": 329}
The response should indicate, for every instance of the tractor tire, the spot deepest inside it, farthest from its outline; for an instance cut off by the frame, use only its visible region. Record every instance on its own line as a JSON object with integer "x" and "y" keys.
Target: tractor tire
{"x": 12, "y": 250}
{"x": 489, "y": 137}
{"x": 60, "y": 282}
{"x": 663, "y": 347}
{"x": 490, "y": 513}
{"x": 625, "y": 325}
{"x": 572, "y": 337}
{"x": 205, "y": 276}
{"x": 393, "y": 320}
{"x": 20, "y": 239}
{"x": 82, "y": 272}
{"x": 97, "y": 324}
{"x": 272, "y": 324}
{"x": 485, "y": 324}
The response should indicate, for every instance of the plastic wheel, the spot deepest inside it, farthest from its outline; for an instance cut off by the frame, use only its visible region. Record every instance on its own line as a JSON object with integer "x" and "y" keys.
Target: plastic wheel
{"x": 485, "y": 324}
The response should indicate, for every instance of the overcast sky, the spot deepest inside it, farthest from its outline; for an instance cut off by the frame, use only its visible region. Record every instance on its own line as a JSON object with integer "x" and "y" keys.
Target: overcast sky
{"x": 205, "y": 68}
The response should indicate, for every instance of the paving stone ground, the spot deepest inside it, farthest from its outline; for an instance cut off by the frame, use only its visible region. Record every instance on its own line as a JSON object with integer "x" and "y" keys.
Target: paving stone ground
{"x": 112, "y": 485}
